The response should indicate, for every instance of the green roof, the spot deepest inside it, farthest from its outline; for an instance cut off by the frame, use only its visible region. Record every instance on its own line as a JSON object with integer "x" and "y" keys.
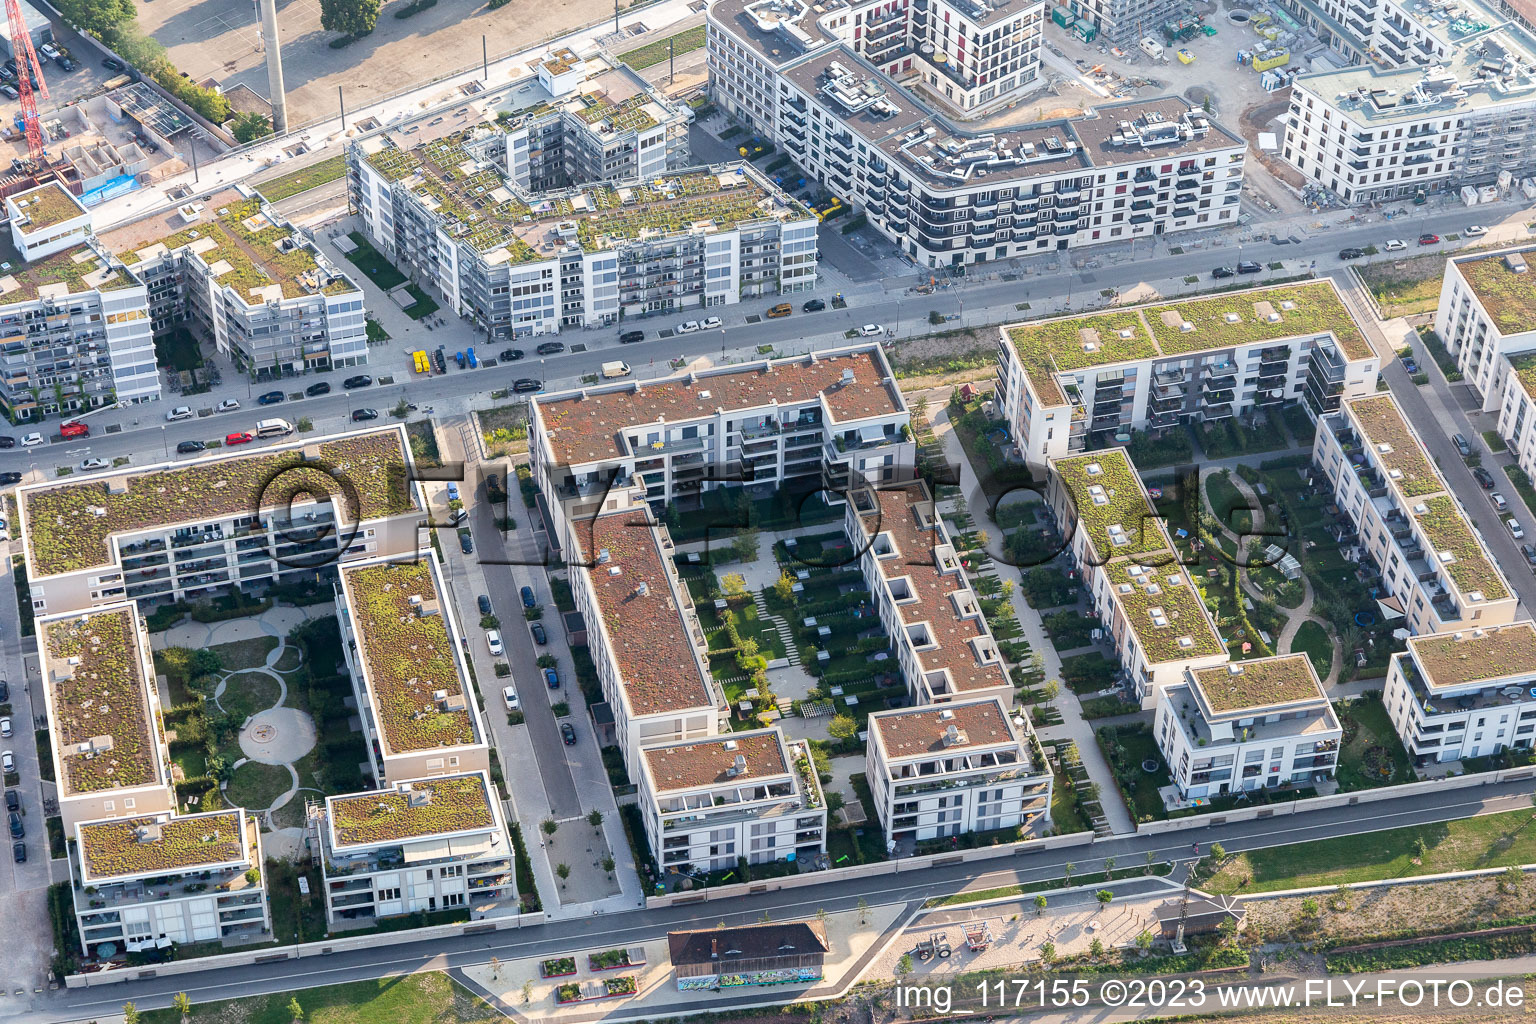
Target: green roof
{"x": 1470, "y": 656}
{"x": 1108, "y": 495}
{"x": 1383, "y": 425}
{"x": 46, "y": 206}
{"x": 102, "y": 694}
{"x": 79, "y": 270}
{"x": 1447, "y": 530}
{"x": 1260, "y": 683}
{"x": 1509, "y": 298}
{"x": 1180, "y": 630}
{"x": 68, "y": 524}
{"x": 157, "y": 844}
{"x": 441, "y": 806}
{"x": 1524, "y": 366}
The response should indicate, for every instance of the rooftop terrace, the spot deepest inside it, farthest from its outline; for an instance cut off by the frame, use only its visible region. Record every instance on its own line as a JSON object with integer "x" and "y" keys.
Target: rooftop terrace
{"x": 1508, "y": 296}
{"x": 412, "y": 810}
{"x": 102, "y": 730}
{"x": 1260, "y": 686}
{"x": 164, "y": 844}
{"x": 713, "y": 762}
{"x": 412, "y": 665}
{"x": 67, "y": 525}
{"x": 1475, "y": 656}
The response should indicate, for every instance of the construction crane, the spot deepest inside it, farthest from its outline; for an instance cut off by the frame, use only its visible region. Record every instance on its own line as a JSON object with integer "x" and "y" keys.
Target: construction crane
{"x": 27, "y": 65}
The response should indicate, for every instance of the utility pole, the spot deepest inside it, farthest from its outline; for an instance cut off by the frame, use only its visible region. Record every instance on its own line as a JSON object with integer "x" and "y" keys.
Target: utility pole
{"x": 671, "y": 60}
{"x": 341, "y": 101}
{"x": 615, "y": 17}
{"x": 485, "y": 61}
{"x": 274, "y": 66}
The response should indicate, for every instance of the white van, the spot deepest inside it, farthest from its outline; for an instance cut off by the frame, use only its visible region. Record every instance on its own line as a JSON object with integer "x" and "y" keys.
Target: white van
{"x": 615, "y": 369}
{"x": 273, "y": 428}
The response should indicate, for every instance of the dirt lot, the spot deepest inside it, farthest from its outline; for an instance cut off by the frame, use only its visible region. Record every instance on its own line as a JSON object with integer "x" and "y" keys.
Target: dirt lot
{"x": 1430, "y": 908}
{"x": 218, "y": 39}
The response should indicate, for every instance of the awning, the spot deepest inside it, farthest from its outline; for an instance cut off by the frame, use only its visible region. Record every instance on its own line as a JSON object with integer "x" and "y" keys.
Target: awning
{"x": 427, "y": 849}
{"x": 872, "y": 433}
{"x": 1391, "y": 607}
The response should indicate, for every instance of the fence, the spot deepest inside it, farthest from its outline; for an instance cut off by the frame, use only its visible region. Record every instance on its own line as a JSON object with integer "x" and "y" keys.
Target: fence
{"x": 885, "y": 867}
{"x": 270, "y": 954}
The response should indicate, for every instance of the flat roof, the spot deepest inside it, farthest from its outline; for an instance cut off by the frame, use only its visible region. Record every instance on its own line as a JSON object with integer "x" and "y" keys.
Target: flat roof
{"x": 712, "y": 762}
{"x": 1113, "y": 508}
{"x": 1487, "y": 655}
{"x": 1508, "y": 297}
{"x": 932, "y": 590}
{"x": 400, "y": 617}
{"x": 71, "y": 272}
{"x": 1165, "y": 610}
{"x": 1262, "y": 685}
{"x": 1449, "y": 533}
{"x": 649, "y": 639}
{"x": 1395, "y": 445}
{"x": 920, "y": 732}
{"x": 421, "y": 808}
{"x": 247, "y": 250}
{"x": 45, "y": 206}
{"x": 163, "y": 844}
{"x": 103, "y": 732}
{"x": 68, "y": 523}
{"x": 1524, "y": 367}
{"x": 1158, "y": 331}
{"x": 588, "y": 425}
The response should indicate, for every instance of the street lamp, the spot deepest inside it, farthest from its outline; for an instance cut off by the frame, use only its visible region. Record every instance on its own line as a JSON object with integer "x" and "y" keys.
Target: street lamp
{"x": 164, "y": 442}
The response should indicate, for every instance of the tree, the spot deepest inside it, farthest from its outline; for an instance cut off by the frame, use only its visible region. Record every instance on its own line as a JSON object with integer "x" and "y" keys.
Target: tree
{"x": 785, "y": 588}
{"x": 1144, "y": 940}
{"x": 550, "y": 827}
{"x": 1149, "y": 861}
{"x": 1051, "y": 691}
{"x": 495, "y": 966}
{"x": 349, "y": 17}
{"x": 1096, "y": 948}
{"x": 1067, "y": 869}
{"x": 1048, "y": 952}
{"x": 733, "y": 584}
{"x": 842, "y": 727}
{"x": 182, "y": 1004}
{"x": 1040, "y": 904}
{"x": 248, "y": 127}
{"x": 564, "y": 871}
{"x": 1218, "y": 852}
{"x": 1109, "y": 867}
{"x": 1104, "y": 896}
{"x": 595, "y": 819}
{"x": 745, "y": 545}
{"x": 130, "y": 1014}
{"x": 527, "y": 991}
{"x": 904, "y": 965}
{"x": 1069, "y": 754}
{"x": 97, "y": 16}
{"x": 253, "y": 876}
{"x": 295, "y": 1011}
{"x": 863, "y": 909}
{"x": 608, "y": 864}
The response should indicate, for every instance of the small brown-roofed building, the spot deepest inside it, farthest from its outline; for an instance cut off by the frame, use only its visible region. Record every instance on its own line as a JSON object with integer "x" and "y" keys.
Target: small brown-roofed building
{"x": 1245, "y": 726}
{"x": 946, "y": 769}
{"x": 749, "y": 796}
{"x": 1467, "y": 693}
{"x": 1201, "y": 914}
{"x": 792, "y": 953}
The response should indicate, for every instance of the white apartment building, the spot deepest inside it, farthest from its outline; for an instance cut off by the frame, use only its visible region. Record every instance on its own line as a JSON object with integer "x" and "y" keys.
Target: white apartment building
{"x": 1470, "y": 693}
{"x": 147, "y": 881}
{"x": 1247, "y": 725}
{"x": 743, "y": 796}
{"x": 204, "y": 527}
{"x": 410, "y": 669}
{"x": 647, "y": 644}
{"x": 919, "y": 589}
{"x": 1435, "y": 569}
{"x": 1070, "y": 383}
{"x": 831, "y": 419}
{"x": 1485, "y": 318}
{"x": 959, "y": 767}
{"x": 247, "y": 280}
{"x": 1151, "y": 607}
{"x": 45, "y": 220}
{"x": 104, "y": 715}
{"x": 422, "y": 845}
{"x": 853, "y": 117}
{"x": 1451, "y": 102}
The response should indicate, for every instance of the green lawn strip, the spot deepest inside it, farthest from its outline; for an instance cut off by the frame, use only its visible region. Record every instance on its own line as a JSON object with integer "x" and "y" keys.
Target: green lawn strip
{"x": 424, "y": 998}
{"x": 246, "y": 693}
{"x": 1313, "y": 641}
{"x": 1373, "y": 753}
{"x": 241, "y": 654}
{"x": 423, "y": 307}
{"x": 1088, "y": 673}
{"x": 1225, "y": 497}
{"x": 372, "y": 263}
{"x": 303, "y": 179}
{"x": 1044, "y": 885}
{"x": 1407, "y": 285}
{"x": 1486, "y": 841}
{"x": 654, "y": 53}
{"x": 1434, "y": 951}
{"x": 254, "y": 785}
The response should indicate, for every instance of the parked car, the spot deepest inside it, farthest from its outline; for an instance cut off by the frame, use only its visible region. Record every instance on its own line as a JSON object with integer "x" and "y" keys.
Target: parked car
{"x": 709, "y": 323}
{"x": 317, "y": 389}
{"x": 270, "y": 398}
{"x": 1427, "y": 239}
{"x": 568, "y": 733}
{"x": 493, "y": 643}
{"x": 552, "y": 678}
{"x": 485, "y": 604}
{"x": 112, "y": 64}
{"x": 1394, "y": 244}
{"x": 74, "y": 428}
{"x": 18, "y": 827}
{"x": 363, "y": 415}
{"x": 1475, "y": 230}
{"x": 528, "y": 599}
{"x": 10, "y": 477}
{"x": 12, "y": 800}
{"x": 31, "y": 440}
{"x": 511, "y": 355}
{"x": 630, "y": 337}
{"x": 1461, "y": 445}
{"x": 228, "y": 405}
{"x": 49, "y": 50}
{"x": 526, "y": 384}
{"x": 466, "y": 542}
{"x": 181, "y": 412}
{"x": 551, "y": 348}
{"x": 539, "y": 636}
{"x": 1223, "y": 272}
{"x": 240, "y": 437}
{"x": 870, "y": 330}
{"x": 1497, "y": 501}
{"x": 86, "y": 465}
{"x": 1249, "y": 267}
{"x": 5, "y": 692}
{"x": 19, "y": 852}
{"x": 688, "y": 327}
{"x": 1351, "y": 253}
{"x": 1410, "y": 364}
{"x": 67, "y": 64}
{"x": 813, "y": 305}
{"x": 7, "y": 762}
{"x": 1515, "y": 530}
{"x": 1483, "y": 477}
{"x": 1529, "y": 551}
{"x": 361, "y": 380}
{"x": 509, "y": 696}
{"x": 7, "y": 441}
{"x": 189, "y": 447}
{"x": 5, "y": 728}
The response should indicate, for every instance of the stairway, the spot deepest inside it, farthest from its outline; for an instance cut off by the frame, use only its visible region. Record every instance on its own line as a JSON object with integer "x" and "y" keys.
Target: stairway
{"x": 780, "y": 626}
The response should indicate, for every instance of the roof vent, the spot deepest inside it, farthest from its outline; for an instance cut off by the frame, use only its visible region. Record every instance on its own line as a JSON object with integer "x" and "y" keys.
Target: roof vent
{"x": 953, "y": 736}
{"x": 847, "y": 378}
{"x": 642, "y": 588}
{"x": 603, "y": 556}
{"x": 418, "y": 797}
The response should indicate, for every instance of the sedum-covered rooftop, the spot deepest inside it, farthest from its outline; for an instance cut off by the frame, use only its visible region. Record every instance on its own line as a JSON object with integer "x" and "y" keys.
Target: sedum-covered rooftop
{"x": 1491, "y": 654}
{"x": 164, "y": 844}
{"x": 1165, "y": 609}
{"x": 1394, "y": 445}
{"x": 1113, "y": 509}
{"x": 45, "y": 206}
{"x": 1261, "y": 685}
{"x": 1508, "y": 297}
{"x": 1448, "y": 533}
{"x": 70, "y": 272}
{"x": 412, "y": 810}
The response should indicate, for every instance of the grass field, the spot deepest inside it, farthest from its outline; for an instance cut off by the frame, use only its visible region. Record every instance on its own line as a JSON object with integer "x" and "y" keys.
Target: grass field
{"x": 371, "y": 262}
{"x": 255, "y": 785}
{"x": 1372, "y": 754}
{"x": 654, "y": 53}
{"x": 1313, "y": 641}
{"x": 303, "y": 179}
{"x": 1489, "y": 841}
{"x": 428, "y": 998}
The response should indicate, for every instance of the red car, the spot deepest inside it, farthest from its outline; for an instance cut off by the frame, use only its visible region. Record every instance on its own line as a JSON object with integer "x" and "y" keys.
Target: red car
{"x": 243, "y": 437}
{"x": 74, "y": 430}
{"x": 1428, "y": 239}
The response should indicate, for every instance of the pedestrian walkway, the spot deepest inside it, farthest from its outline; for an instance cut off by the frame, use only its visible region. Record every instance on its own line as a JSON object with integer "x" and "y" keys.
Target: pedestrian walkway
{"x": 779, "y": 626}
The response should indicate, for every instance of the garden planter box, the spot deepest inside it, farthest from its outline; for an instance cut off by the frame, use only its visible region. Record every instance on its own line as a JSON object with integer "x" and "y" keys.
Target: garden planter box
{"x": 592, "y": 991}
{"x": 562, "y": 967}
{"x": 616, "y": 959}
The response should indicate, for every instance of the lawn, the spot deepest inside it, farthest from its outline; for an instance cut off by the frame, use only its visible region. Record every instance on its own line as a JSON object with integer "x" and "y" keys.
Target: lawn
{"x": 1407, "y": 285}
{"x": 1313, "y": 641}
{"x": 246, "y": 693}
{"x": 254, "y": 786}
{"x": 424, "y": 998}
{"x": 654, "y": 53}
{"x": 303, "y": 179}
{"x": 1088, "y": 673}
{"x": 1228, "y": 504}
{"x": 1228, "y": 437}
{"x": 1126, "y": 748}
{"x": 1487, "y": 841}
{"x": 372, "y": 263}
{"x": 1372, "y": 754}
{"x": 241, "y": 654}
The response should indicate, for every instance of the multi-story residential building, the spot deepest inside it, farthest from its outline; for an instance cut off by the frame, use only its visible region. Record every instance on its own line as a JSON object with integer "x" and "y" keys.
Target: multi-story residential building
{"x": 833, "y": 418}
{"x": 524, "y": 263}
{"x": 950, "y": 196}
{"x": 146, "y": 881}
{"x": 1453, "y": 102}
{"x": 1152, "y": 608}
{"x": 74, "y": 334}
{"x": 247, "y": 280}
{"x": 1471, "y": 693}
{"x": 409, "y": 666}
{"x": 919, "y": 589}
{"x": 743, "y": 796}
{"x": 647, "y": 644}
{"x": 201, "y": 528}
{"x": 1247, "y": 725}
{"x": 580, "y": 120}
{"x": 1123, "y": 21}
{"x": 45, "y": 220}
{"x": 421, "y": 845}
{"x": 1487, "y": 318}
{"x": 1072, "y": 383}
{"x": 103, "y": 708}
{"x": 958, "y": 767}
{"x": 1435, "y": 568}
